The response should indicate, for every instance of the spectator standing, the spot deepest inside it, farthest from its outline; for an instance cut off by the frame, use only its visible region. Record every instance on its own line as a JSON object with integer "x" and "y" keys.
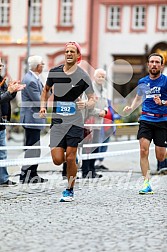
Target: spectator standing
{"x": 100, "y": 110}
{"x": 7, "y": 93}
{"x": 30, "y": 107}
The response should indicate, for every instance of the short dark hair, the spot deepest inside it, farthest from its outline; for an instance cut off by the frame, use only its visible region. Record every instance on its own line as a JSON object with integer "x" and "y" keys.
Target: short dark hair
{"x": 156, "y": 54}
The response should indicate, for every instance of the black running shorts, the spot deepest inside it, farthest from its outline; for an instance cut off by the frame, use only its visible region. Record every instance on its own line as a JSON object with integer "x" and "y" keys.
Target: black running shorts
{"x": 153, "y": 131}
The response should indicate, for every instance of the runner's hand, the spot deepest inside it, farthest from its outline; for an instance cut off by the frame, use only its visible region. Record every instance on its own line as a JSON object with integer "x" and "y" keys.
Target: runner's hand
{"x": 81, "y": 103}
{"x": 42, "y": 113}
{"x": 157, "y": 100}
{"x": 127, "y": 109}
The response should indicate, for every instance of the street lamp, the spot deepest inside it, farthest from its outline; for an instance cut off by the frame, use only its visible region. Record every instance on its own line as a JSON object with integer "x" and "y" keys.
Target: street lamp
{"x": 28, "y": 33}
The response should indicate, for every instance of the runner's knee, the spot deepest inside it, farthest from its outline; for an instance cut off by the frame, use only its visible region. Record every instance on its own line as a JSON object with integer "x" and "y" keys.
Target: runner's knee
{"x": 144, "y": 152}
{"x": 70, "y": 159}
{"x": 160, "y": 156}
{"x": 57, "y": 161}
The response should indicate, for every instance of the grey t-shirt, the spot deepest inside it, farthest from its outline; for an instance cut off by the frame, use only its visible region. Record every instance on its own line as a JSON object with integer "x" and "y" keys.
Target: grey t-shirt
{"x": 67, "y": 89}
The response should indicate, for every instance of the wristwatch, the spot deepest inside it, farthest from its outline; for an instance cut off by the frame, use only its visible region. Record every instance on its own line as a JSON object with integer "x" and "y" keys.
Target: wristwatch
{"x": 163, "y": 102}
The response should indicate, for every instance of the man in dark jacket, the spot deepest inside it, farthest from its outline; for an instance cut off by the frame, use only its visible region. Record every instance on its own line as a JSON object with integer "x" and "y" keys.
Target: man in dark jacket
{"x": 7, "y": 93}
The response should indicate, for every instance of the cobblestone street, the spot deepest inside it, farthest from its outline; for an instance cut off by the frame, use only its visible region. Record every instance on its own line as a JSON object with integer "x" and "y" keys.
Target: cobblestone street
{"x": 108, "y": 214}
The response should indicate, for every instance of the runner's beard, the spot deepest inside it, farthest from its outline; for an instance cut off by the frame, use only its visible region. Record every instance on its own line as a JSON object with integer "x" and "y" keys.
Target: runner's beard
{"x": 154, "y": 72}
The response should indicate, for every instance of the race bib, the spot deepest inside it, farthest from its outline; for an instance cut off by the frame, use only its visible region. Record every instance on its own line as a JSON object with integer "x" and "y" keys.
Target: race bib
{"x": 152, "y": 95}
{"x": 65, "y": 108}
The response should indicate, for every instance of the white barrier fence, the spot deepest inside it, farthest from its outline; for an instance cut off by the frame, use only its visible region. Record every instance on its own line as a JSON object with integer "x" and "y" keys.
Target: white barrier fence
{"x": 41, "y": 160}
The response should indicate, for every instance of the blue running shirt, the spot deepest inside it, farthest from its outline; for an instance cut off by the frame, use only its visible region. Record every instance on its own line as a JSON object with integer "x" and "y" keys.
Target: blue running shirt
{"x": 148, "y": 88}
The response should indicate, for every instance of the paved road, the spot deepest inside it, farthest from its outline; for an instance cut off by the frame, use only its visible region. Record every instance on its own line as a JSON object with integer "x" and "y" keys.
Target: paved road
{"x": 108, "y": 214}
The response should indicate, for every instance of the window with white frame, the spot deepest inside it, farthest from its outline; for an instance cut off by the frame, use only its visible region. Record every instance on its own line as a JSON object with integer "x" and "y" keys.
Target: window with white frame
{"x": 36, "y": 12}
{"x": 139, "y": 17}
{"x": 162, "y": 17}
{"x": 114, "y": 17}
{"x": 4, "y": 12}
{"x": 66, "y": 12}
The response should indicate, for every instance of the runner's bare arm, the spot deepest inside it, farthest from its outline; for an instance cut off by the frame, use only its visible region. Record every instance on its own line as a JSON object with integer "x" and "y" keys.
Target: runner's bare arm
{"x": 44, "y": 98}
{"x": 135, "y": 104}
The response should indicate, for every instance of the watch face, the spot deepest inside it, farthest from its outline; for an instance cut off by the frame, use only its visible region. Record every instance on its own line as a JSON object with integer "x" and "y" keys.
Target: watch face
{"x": 163, "y": 102}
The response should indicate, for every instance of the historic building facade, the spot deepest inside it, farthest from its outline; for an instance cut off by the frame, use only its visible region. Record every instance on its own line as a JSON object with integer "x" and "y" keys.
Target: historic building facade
{"x": 112, "y": 33}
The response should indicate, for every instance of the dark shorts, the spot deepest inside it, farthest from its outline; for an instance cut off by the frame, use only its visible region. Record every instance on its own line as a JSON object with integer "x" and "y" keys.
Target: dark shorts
{"x": 153, "y": 131}
{"x": 65, "y": 135}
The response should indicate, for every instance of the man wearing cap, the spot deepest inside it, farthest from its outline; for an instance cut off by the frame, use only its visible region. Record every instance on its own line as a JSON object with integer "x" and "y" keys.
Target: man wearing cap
{"x": 69, "y": 82}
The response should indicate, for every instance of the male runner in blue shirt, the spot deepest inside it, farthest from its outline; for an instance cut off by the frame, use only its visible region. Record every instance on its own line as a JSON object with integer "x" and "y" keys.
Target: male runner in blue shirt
{"x": 152, "y": 93}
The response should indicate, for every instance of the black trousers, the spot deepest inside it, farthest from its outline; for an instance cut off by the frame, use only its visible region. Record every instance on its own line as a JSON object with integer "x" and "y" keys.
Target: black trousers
{"x": 32, "y": 137}
{"x": 89, "y": 165}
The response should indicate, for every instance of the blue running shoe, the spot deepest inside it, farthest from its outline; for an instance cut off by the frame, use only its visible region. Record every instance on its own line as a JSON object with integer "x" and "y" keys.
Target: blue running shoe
{"x": 68, "y": 196}
{"x": 146, "y": 189}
